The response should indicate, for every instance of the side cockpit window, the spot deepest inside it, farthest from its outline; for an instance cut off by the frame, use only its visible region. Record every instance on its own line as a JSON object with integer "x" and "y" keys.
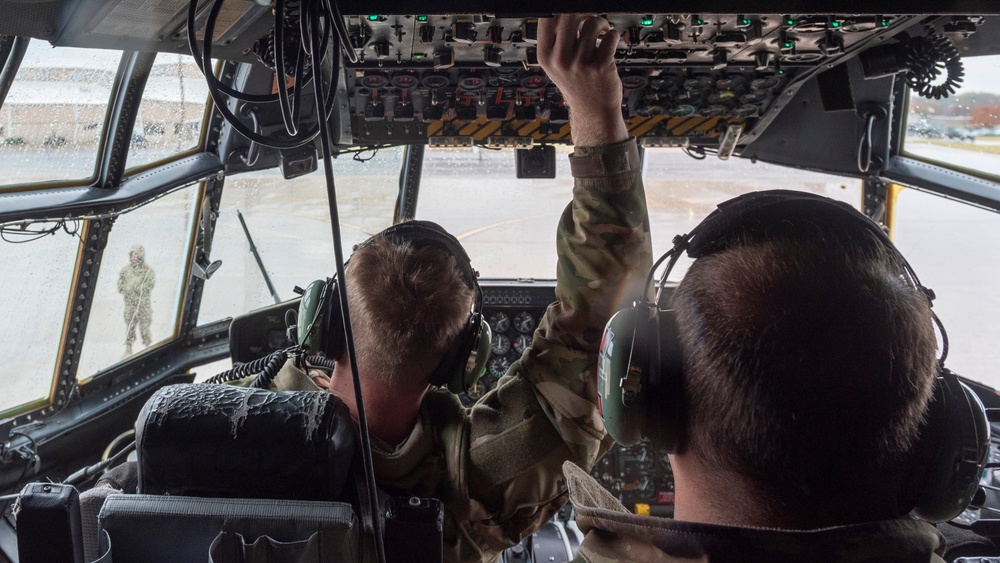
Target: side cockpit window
{"x": 961, "y": 131}
{"x": 36, "y": 278}
{"x": 140, "y": 287}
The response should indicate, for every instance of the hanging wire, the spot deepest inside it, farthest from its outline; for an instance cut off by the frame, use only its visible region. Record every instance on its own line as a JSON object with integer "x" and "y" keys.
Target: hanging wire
{"x": 324, "y": 128}
{"x": 22, "y": 229}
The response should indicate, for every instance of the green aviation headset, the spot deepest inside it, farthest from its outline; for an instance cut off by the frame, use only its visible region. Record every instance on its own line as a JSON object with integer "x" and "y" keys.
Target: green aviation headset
{"x": 641, "y": 357}
{"x": 320, "y": 329}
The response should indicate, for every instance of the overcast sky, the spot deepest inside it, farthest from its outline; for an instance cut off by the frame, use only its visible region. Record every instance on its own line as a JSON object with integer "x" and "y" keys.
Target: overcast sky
{"x": 982, "y": 74}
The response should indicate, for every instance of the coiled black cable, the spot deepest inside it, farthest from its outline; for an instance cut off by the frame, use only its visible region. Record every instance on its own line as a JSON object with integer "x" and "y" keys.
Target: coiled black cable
{"x": 926, "y": 58}
{"x": 247, "y": 369}
{"x": 289, "y": 107}
{"x": 270, "y": 371}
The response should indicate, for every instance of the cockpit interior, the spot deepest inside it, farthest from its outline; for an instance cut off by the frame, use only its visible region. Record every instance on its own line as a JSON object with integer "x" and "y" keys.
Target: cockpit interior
{"x": 165, "y": 198}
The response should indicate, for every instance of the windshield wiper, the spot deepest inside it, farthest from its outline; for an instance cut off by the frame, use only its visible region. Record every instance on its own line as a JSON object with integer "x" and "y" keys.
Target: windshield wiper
{"x": 256, "y": 255}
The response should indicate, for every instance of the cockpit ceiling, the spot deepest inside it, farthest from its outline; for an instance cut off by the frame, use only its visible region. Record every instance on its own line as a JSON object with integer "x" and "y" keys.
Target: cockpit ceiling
{"x": 158, "y": 25}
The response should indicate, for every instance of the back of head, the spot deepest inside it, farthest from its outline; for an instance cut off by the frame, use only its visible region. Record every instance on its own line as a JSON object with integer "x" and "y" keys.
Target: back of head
{"x": 808, "y": 364}
{"x": 408, "y": 305}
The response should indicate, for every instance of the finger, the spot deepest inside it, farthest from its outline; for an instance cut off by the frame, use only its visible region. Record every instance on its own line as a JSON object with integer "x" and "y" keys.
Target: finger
{"x": 589, "y": 32}
{"x": 605, "y": 52}
{"x": 546, "y": 37}
{"x": 567, "y": 33}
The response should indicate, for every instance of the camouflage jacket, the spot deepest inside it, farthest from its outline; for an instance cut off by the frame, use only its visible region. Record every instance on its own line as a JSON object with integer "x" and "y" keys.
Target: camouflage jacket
{"x": 614, "y": 535}
{"x": 497, "y": 465}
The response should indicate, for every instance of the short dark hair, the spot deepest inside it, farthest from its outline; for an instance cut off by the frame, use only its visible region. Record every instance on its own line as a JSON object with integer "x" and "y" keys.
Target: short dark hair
{"x": 809, "y": 361}
{"x": 408, "y": 305}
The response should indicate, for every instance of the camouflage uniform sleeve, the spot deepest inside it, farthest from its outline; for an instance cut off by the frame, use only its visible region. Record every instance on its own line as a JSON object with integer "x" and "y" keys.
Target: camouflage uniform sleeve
{"x": 543, "y": 412}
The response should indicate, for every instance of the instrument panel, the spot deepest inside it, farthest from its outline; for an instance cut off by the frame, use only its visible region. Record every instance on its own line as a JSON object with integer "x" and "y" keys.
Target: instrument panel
{"x": 640, "y": 475}
{"x": 459, "y": 80}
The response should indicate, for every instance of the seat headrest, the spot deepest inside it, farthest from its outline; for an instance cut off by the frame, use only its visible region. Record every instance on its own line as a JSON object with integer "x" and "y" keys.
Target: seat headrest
{"x": 224, "y": 441}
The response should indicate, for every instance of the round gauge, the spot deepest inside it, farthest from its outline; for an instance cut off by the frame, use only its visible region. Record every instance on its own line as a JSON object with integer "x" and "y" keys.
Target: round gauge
{"x": 638, "y": 469}
{"x": 404, "y": 81}
{"x": 753, "y": 97}
{"x": 662, "y": 84}
{"x": 606, "y": 474}
{"x": 472, "y": 83}
{"x": 435, "y": 81}
{"x": 524, "y": 322}
{"x": 663, "y": 458}
{"x": 650, "y": 110}
{"x": 697, "y": 83}
{"x": 634, "y": 82}
{"x": 693, "y": 98}
{"x": 731, "y": 83}
{"x": 500, "y": 344}
{"x": 375, "y": 80}
{"x": 535, "y": 81}
{"x": 521, "y": 343}
{"x": 723, "y": 97}
{"x": 683, "y": 110}
{"x": 640, "y": 457}
{"x": 498, "y": 366}
{"x": 478, "y": 389}
{"x": 764, "y": 84}
{"x": 713, "y": 110}
{"x": 499, "y": 322}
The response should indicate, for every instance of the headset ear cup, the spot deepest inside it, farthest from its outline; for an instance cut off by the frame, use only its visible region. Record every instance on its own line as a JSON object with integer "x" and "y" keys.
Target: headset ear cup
{"x": 309, "y": 331}
{"x": 951, "y": 452}
{"x": 333, "y": 323}
{"x": 668, "y": 433}
{"x": 620, "y": 370}
{"x": 473, "y": 355}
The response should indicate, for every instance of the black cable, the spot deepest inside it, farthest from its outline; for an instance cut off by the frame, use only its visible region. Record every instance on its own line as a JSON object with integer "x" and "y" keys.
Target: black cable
{"x": 33, "y": 460}
{"x": 926, "y": 58}
{"x": 244, "y": 370}
{"x": 270, "y": 371}
{"x": 222, "y": 106}
{"x": 865, "y": 146}
{"x": 366, "y": 451}
{"x": 290, "y": 108}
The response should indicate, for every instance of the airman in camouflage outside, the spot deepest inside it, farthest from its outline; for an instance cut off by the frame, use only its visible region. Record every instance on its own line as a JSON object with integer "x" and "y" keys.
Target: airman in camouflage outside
{"x": 135, "y": 283}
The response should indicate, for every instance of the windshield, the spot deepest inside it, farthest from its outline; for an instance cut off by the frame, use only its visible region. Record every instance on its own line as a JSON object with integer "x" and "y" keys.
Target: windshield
{"x": 272, "y": 235}
{"x": 53, "y": 116}
{"x": 508, "y": 225}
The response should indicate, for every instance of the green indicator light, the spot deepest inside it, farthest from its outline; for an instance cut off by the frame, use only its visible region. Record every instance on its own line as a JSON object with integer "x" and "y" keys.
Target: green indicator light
{"x": 883, "y": 23}
{"x": 699, "y": 22}
{"x": 647, "y": 21}
{"x": 787, "y": 45}
{"x": 373, "y": 18}
{"x": 744, "y": 22}
{"x": 789, "y": 22}
{"x": 781, "y": 72}
{"x": 835, "y": 24}
{"x": 418, "y": 56}
{"x": 421, "y": 18}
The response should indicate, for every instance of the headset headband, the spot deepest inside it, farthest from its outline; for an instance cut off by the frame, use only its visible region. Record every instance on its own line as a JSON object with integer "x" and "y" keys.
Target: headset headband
{"x": 428, "y": 233}
{"x": 760, "y": 213}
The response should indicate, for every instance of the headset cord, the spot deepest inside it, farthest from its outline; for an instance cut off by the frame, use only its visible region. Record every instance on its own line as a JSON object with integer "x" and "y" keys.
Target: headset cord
{"x": 247, "y": 369}
{"x": 270, "y": 371}
{"x": 324, "y": 134}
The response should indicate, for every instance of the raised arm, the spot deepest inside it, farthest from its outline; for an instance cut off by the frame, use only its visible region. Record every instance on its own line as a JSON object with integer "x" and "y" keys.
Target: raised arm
{"x": 544, "y": 411}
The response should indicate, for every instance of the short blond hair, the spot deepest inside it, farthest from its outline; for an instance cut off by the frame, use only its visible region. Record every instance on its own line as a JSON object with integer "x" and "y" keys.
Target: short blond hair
{"x": 408, "y": 305}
